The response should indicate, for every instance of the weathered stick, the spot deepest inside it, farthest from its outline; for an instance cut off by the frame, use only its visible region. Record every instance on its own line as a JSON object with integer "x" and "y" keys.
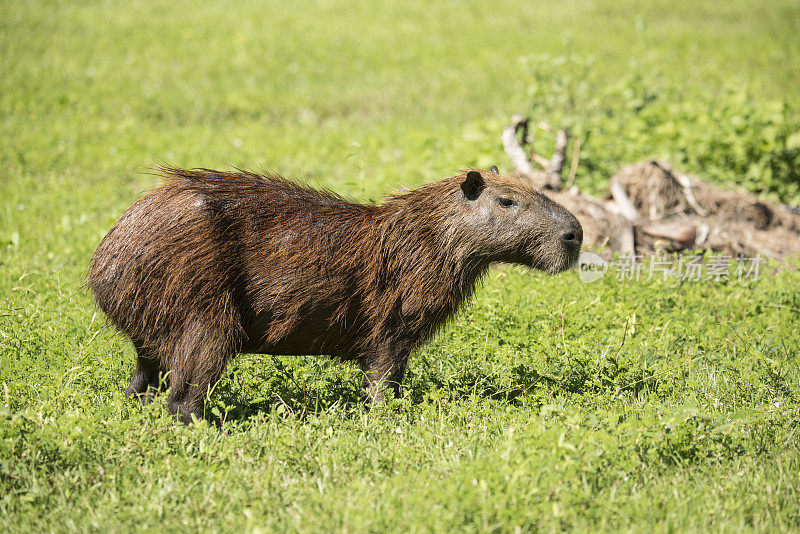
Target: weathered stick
{"x": 713, "y": 228}
{"x": 686, "y": 184}
{"x": 541, "y": 161}
{"x": 628, "y": 215}
{"x": 512, "y": 147}
{"x": 626, "y": 207}
{"x": 576, "y": 156}
{"x": 554, "y": 180}
{"x": 521, "y": 123}
{"x": 682, "y": 234}
{"x": 625, "y": 238}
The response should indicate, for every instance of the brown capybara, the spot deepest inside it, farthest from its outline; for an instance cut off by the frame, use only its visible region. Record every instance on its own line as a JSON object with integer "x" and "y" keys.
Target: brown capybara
{"x": 213, "y": 263}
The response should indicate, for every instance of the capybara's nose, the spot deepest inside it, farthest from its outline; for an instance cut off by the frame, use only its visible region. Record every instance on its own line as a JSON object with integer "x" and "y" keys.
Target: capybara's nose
{"x": 573, "y": 236}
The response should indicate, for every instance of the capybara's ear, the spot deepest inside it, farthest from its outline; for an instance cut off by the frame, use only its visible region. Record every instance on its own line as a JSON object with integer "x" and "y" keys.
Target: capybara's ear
{"x": 472, "y": 185}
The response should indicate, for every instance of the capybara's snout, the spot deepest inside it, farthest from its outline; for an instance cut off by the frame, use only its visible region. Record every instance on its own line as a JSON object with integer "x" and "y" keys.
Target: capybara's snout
{"x": 570, "y": 238}
{"x": 555, "y": 238}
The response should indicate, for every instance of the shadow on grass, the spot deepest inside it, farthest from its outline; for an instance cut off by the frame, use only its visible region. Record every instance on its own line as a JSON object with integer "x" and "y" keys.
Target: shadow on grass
{"x": 299, "y": 389}
{"x": 287, "y": 386}
{"x": 574, "y": 377}
{"x": 230, "y": 404}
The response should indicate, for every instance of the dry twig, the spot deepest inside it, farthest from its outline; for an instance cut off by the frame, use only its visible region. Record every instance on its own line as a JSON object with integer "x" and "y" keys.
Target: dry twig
{"x": 554, "y": 180}
{"x": 512, "y": 147}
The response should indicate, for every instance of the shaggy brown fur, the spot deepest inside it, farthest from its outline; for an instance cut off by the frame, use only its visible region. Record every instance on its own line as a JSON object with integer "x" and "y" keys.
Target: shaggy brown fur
{"x": 215, "y": 263}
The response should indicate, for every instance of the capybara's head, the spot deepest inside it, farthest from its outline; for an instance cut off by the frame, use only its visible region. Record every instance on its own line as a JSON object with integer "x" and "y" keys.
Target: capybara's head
{"x": 507, "y": 220}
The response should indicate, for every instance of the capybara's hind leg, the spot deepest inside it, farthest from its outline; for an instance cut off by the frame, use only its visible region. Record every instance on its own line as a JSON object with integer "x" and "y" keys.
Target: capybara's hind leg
{"x": 188, "y": 390}
{"x": 145, "y": 380}
{"x": 198, "y": 364}
{"x": 187, "y": 402}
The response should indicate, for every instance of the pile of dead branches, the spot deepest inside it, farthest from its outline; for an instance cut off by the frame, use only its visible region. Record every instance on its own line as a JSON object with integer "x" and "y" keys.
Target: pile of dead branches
{"x": 649, "y": 207}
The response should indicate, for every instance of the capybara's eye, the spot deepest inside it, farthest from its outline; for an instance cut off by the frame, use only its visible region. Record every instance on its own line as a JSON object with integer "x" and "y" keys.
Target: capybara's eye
{"x": 505, "y": 202}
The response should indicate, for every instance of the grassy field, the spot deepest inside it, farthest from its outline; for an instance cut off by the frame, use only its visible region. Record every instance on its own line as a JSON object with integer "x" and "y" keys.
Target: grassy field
{"x": 547, "y": 404}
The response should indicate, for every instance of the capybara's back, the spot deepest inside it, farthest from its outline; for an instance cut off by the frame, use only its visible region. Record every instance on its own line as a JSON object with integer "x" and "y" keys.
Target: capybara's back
{"x": 214, "y": 263}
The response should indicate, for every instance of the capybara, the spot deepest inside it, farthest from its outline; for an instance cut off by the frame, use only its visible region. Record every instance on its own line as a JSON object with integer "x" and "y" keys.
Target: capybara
{"x": 214, "y": 263}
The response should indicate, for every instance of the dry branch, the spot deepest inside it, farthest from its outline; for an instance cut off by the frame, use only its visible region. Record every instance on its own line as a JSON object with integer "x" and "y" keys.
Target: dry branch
{"x": 541, "y": 161}
{"x": 626, "y": 207}
{"x": 628, "y": 216}
{"x": 515, "y": 152}
{"x": 554, "y": 180}
{"x": 514, "y": 145}
{"x": 682, "y": 235}
{"x": 649, "y": 207}
{"x": 686, "y": 183}
{"x": 626, "y": 242}
{"x": 576, "y": 157}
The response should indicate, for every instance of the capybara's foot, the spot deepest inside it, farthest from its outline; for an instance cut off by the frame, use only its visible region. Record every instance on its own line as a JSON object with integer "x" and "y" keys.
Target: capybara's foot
{"x": 145, "y": 380}
{"x": 382, "y": 376}
{"x": 144, "y": 397}
{"x": 376, "y": 397}
{"x": 379, "y": 391}
{"x": 185, "y": 409}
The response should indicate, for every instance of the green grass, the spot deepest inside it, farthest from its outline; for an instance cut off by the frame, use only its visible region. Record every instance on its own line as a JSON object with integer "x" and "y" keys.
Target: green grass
{"x": 547, "y": 404}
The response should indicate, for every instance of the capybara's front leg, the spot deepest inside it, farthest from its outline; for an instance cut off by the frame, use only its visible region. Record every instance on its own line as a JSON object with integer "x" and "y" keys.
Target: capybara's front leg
{"x": 384, "y": 369}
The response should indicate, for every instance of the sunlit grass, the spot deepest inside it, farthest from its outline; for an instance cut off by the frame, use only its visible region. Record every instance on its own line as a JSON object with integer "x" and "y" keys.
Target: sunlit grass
{"x": 546, "y": 404}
